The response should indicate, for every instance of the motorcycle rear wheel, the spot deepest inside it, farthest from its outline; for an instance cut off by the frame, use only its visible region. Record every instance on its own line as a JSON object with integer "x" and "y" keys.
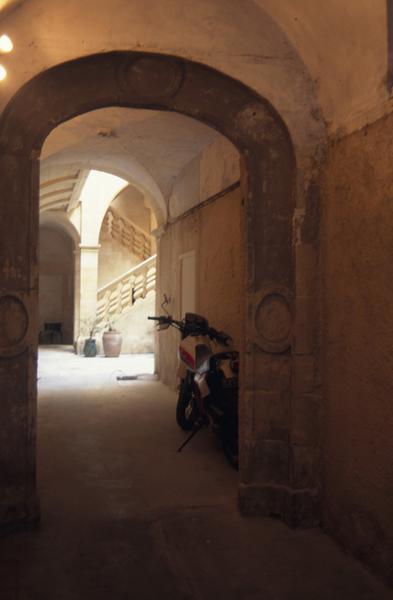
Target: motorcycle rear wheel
{"x": 185, "y": 409}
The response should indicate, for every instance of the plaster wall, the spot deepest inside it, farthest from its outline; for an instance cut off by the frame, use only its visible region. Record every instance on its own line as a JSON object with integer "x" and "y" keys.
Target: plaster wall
{"x": 214, "y": 169}
{"x": 114, "y": 259}
{"x": 56, "y": 270}
{"x": 130, "y": 203}
{"x": 357, "y": 249}
{"x": 344, "y": 45}
{"x": 214, "y": 232}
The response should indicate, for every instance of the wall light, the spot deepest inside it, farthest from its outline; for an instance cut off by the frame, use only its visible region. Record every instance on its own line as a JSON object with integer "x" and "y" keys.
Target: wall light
{"x": 3, "y": 73}
{"x": 6, "y": 44}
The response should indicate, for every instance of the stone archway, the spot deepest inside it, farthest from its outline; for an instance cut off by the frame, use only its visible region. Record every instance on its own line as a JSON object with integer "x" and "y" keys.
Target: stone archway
{"x": 279, "y": 466}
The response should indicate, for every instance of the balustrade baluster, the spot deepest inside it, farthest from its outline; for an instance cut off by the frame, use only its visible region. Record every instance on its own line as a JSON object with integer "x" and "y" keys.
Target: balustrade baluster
{"x": 119, "y": 295}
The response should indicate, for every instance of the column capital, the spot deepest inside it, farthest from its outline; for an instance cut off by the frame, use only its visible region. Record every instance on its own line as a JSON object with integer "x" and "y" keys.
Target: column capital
{"x": 90, "y": 248}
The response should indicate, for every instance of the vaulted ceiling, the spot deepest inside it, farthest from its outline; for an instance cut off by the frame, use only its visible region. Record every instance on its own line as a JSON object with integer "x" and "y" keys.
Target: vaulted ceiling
{"x": 298, "y": 48}
{"x": 148, "y": 148}
{"x": 158, "y": 144}
{"x": 321, "y": 64}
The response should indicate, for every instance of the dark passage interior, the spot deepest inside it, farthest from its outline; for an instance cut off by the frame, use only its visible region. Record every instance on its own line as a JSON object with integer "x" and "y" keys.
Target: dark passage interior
{"x": 232, "y": 157}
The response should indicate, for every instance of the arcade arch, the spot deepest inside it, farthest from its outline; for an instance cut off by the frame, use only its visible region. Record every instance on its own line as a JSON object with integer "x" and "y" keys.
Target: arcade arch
{"x": 279, "y": 458}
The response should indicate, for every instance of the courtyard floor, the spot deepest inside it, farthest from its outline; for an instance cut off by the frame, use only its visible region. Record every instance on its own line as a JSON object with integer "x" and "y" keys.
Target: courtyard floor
{"x": 124, "y": 516}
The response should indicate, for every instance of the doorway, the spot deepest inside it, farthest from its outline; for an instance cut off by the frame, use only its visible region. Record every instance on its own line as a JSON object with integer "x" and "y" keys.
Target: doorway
{"x": 272, "y": 465}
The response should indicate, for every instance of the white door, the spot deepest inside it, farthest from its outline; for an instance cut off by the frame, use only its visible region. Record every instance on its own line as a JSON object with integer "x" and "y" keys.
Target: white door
{"x": 187, "y": 283}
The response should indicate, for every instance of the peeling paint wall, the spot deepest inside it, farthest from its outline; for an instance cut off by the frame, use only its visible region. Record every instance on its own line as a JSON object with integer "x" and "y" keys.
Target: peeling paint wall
{"x": 357, "y": 246}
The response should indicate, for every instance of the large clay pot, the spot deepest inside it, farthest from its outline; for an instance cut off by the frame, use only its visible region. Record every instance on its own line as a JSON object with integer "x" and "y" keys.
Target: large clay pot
{"x": 111, "y": 341}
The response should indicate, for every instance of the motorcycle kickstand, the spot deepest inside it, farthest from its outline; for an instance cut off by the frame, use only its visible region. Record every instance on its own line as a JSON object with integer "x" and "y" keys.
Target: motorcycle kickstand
{"x": 198, "y": 428}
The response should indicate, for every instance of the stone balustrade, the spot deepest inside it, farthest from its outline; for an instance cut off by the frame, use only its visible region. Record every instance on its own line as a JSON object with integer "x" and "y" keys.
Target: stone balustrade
{"x": 121, "y": 293}
{"x": 136, "y": 240}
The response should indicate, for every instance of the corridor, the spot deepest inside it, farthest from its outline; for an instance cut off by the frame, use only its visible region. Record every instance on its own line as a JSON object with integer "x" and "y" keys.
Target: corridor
{"x": 124, "y": 516}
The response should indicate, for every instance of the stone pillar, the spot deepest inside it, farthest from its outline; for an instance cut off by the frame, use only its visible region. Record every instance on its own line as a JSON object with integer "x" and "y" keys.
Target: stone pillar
{"x": 279, "y": 411}
{"x": 157, "y": 233}
{"x": 88, "y": 283}
{"x": 19, "y": 180}
{"x": 77, "y": 292}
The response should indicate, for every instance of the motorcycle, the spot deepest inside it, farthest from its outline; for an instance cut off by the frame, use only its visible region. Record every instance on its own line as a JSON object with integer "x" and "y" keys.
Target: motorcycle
{"x": 208, "y": 389}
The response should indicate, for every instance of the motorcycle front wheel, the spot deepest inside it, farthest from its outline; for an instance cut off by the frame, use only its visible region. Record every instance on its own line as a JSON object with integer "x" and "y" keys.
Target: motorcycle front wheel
{"x": 185, "y": 408}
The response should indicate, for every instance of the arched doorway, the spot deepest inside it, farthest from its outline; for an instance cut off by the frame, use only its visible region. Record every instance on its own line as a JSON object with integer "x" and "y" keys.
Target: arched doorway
{"x": 278, "y": 473}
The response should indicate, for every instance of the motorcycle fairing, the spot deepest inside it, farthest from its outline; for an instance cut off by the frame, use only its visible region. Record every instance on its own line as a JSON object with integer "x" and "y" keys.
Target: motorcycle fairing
{"x": 193, "y": 351}
{"x": 187, "y": 358}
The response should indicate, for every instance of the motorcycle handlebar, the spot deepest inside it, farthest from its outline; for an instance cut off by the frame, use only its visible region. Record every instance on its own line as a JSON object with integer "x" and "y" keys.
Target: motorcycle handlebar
{"x": 165, "y": 319}
{"x": 220, "y": 336}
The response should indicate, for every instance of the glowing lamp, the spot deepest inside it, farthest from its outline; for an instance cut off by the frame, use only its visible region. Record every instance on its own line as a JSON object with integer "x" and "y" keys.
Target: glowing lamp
{"x": 3, "y": 73}
{"x": 6, "y": 44}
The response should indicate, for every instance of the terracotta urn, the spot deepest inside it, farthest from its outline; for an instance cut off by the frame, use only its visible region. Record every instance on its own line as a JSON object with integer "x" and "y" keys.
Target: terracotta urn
{"x": 111, "y": 341}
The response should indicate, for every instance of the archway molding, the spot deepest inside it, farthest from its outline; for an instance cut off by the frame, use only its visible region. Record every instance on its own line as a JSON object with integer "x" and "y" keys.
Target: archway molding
{"x": 279, "y": 471}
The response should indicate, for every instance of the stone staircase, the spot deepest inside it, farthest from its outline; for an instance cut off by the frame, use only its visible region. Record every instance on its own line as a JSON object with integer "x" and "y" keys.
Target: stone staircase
{"x": 119, "y": 296}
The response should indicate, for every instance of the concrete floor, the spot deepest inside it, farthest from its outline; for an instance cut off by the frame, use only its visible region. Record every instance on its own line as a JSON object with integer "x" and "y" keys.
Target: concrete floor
{"x": 124, "y": 516}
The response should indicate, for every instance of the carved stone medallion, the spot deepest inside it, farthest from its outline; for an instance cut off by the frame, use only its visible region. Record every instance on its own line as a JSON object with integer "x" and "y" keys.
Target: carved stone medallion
{"x": 272, "y": 320}
{"x": 153, "y": 78}
{"x": 14, "y": 321}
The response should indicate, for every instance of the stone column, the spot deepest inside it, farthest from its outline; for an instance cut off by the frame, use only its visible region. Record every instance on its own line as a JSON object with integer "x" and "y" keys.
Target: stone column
{"x": 88, "y": 283}
{"x": 278, "y": 412}
{"x": 77, "y": 292}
